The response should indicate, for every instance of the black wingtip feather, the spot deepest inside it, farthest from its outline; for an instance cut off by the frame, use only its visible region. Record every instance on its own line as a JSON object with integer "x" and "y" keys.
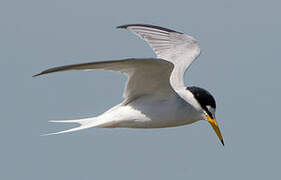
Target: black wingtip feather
{"x": 44, "y": 72}
{"x": 147, "y": 25}
{"x": 37, "y": 75}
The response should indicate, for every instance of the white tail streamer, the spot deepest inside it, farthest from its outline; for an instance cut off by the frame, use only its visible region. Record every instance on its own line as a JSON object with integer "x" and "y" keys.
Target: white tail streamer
{"x": 84, "y": 124}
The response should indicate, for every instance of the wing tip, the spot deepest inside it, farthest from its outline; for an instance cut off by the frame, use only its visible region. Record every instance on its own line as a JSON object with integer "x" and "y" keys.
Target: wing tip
{"x": 43, "y": 72}
{"x": 122, "y": 27}
{"x": 39, "y": 74}
{"x": 126, "y": 26}
{"x": 55, "y": 69}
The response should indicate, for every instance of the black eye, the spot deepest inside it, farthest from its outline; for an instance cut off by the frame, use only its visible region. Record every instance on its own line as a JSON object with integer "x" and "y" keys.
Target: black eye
{"x": 208, "y": 112}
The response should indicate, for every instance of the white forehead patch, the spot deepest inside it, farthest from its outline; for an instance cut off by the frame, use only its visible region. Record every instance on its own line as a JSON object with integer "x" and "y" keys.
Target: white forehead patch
{"x": 212, "y": 110}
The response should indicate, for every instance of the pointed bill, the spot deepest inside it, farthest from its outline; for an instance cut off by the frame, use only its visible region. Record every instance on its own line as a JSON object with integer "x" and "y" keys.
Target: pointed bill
{"x": 215, "y": 126}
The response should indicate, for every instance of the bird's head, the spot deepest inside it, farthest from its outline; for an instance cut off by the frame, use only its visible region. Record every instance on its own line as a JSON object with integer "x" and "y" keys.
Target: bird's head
{"x": 208, "y": 105}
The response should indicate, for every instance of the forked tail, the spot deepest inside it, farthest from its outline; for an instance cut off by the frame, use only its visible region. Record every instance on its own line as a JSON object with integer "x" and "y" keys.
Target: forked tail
{"x": 84, "y": 124}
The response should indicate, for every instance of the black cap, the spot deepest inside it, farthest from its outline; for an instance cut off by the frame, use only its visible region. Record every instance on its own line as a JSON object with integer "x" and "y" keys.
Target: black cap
{"x": 203, "y": 97}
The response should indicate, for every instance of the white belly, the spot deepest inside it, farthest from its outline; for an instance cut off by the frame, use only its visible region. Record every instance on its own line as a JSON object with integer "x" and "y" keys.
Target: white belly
{"x": 147, "y": 112}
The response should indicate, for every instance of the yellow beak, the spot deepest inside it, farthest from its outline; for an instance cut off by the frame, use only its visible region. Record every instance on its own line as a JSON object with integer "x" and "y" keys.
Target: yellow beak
{"x": 215, "y": 126}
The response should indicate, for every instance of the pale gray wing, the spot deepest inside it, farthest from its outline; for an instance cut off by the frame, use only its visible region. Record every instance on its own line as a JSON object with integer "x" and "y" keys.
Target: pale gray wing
{"x": 176, "y": 47}
{"x": 145, "y": 76}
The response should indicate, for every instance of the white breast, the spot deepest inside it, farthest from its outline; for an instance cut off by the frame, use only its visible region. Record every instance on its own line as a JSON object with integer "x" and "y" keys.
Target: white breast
{"x": 148, "y": 112}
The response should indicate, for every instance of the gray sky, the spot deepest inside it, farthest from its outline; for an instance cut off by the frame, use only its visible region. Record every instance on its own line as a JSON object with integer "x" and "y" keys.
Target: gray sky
{"x": 240, "y": 65}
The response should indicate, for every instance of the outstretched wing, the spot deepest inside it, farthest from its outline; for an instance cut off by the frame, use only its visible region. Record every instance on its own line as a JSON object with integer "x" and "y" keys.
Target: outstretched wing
{"x": 145, "y": 76}
{"x": 176, "y": 47}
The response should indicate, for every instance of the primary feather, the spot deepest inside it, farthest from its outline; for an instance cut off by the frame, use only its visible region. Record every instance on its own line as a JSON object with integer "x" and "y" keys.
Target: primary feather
{"x": 176, "y": 47}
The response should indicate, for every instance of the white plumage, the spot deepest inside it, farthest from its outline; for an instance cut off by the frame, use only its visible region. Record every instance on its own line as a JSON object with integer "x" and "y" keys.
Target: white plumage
{"x": 155, "y": 95}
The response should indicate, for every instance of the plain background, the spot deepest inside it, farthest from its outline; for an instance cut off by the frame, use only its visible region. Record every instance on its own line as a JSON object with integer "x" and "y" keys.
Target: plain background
{"x": 240, "y": 65}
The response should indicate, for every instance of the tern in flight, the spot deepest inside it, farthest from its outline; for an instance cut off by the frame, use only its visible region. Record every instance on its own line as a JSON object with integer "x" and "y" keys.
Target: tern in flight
{"x": 155, "y": 95}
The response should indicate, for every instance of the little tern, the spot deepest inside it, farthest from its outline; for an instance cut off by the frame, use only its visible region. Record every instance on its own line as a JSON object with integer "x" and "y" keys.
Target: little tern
{"x": 155, "y": 95}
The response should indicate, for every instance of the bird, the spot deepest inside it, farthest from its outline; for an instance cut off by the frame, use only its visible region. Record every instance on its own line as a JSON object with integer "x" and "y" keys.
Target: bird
{"x": 155, "y": 95}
